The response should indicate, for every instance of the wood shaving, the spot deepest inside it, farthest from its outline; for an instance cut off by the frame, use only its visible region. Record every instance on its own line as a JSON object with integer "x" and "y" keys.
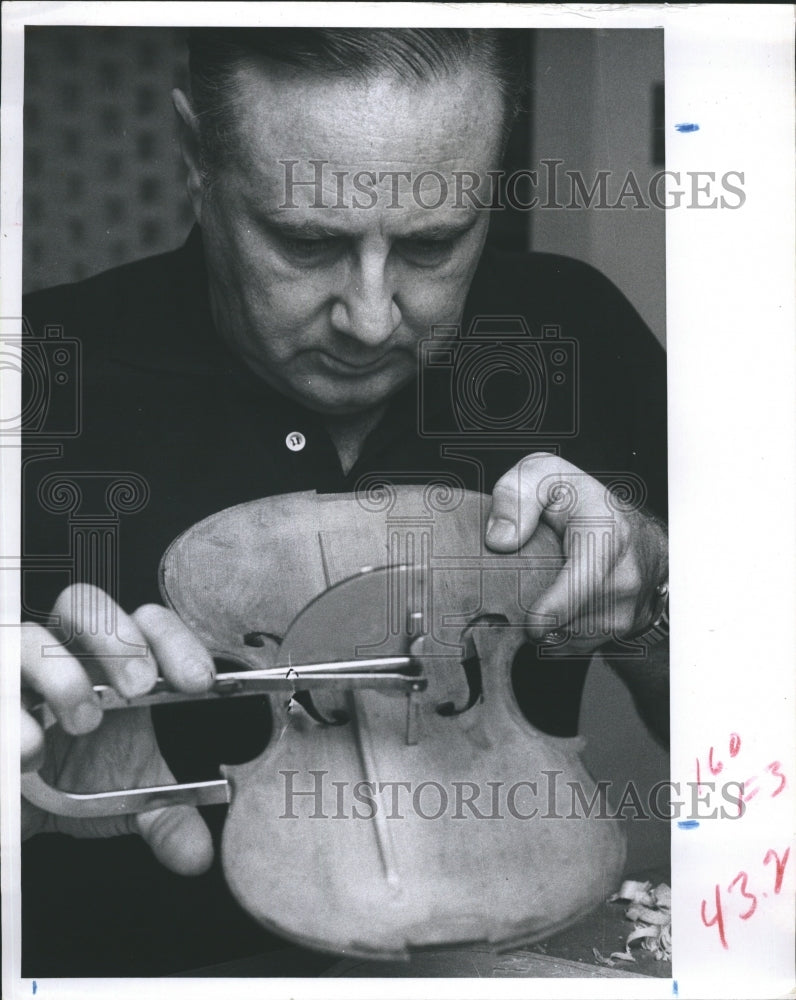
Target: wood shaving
{"x": 602, "y": 960}
{"x": 651, "y": 911}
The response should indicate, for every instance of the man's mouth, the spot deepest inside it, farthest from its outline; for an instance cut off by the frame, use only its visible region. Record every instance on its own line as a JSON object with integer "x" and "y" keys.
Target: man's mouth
{"x": 343, "y": 367}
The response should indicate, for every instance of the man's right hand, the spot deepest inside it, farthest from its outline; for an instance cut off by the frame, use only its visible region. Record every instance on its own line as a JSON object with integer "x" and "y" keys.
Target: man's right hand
{"x": 89, "y": 751}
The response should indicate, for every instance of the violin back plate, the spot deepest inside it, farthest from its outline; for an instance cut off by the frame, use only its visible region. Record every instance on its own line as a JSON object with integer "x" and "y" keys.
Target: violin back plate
{"x": 353, "y": 838}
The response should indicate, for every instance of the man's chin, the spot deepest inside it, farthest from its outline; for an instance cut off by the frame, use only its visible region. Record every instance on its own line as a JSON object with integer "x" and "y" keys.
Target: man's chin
{"x": 330, "y": 397}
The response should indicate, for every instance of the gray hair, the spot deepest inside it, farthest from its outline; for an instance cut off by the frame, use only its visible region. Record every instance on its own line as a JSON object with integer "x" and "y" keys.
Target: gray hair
{"x": 410, "y": 53}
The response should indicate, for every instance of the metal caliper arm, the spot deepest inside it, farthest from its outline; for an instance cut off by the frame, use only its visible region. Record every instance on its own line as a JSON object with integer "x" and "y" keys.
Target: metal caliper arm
{"x": 394, "y": 672}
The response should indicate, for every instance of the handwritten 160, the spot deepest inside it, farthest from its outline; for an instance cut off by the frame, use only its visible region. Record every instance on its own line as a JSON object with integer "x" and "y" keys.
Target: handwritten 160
{"x": 770, "y": 781}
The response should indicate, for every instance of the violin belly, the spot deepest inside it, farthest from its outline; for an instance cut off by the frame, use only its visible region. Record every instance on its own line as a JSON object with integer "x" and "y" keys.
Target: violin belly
{"x": 397, "y": 829}
{"x": 433, "y": 859}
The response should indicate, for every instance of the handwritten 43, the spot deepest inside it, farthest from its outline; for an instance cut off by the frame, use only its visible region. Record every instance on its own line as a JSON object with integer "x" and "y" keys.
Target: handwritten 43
{"x": 740, "y": 889}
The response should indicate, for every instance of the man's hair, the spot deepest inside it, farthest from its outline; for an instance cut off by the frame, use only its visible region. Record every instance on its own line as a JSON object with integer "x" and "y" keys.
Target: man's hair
{"x": 413, "y": 54}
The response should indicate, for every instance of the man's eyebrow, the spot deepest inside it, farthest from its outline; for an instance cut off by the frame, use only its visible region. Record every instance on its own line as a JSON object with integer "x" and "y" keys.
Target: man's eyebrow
{"x": 443, "y": 230}
{"x": 302, "y": 227}
{"x": 310, "y": 229}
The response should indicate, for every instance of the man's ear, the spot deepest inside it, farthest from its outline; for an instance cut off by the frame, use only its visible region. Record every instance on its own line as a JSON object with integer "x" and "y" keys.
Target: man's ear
{"x": 189, "y": 145}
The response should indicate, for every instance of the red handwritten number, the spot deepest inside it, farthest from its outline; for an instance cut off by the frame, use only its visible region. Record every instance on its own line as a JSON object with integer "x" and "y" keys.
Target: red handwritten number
{"x": 774, "y": 768}
{"x": 752, "y": 791}
{"x": 749, "y": 789}
{"x": 743, "y": 878}
{"x": 717, "y": 920}
{"x": 780, "y": 866}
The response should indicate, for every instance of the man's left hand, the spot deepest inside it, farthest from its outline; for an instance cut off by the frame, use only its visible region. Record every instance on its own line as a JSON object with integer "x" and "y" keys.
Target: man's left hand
{"x": 615, "y": 553}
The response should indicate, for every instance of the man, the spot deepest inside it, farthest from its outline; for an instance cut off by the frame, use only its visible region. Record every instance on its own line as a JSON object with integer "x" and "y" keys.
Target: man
{"x": 278, "y": 352}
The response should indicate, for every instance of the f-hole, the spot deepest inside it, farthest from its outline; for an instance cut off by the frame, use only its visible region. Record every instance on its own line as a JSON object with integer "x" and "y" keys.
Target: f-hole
{"x": 258, "y": 639}
{"x": 304, "y": 698}
{"x": 471, "y": 664}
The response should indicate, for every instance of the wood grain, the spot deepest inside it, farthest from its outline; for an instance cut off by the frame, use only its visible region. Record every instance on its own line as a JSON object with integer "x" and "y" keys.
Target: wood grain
{"x": 327, "y": 869}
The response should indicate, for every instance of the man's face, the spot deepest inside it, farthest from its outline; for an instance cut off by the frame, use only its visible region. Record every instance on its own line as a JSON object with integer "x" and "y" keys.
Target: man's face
{"x": 326, "y": 291}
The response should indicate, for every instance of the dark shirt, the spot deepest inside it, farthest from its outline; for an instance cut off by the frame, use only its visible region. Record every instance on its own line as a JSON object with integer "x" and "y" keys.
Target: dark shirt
{"x": 168, "y": 410}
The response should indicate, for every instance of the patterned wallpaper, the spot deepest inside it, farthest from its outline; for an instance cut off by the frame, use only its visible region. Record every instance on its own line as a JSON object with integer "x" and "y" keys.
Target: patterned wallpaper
{"x": 103, "y": 181}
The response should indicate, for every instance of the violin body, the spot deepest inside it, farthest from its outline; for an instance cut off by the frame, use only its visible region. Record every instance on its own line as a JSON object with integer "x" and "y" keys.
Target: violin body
{"x": 377, "y": 822}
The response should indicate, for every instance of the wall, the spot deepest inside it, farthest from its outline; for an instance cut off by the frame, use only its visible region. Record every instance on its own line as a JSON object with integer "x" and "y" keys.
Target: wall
{"x": 595, "y": 97}
{"x": 103, "y": 182}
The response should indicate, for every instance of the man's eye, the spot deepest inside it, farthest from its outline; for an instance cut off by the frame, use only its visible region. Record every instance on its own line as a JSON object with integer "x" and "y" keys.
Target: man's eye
{"x": 308, "y": 249}
{"x": 427, "y": 253}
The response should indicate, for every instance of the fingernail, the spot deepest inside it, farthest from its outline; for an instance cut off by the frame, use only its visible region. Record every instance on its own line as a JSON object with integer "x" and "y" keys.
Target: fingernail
{"x": 86, "y": 716}
{"x": 132, "y": 680}
{"x": 198, "y": 674}
{"x": 501, "y": 531}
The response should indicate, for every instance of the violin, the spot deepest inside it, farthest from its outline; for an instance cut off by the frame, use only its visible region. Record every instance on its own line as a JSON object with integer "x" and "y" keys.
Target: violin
{"x": 400, "y": 803}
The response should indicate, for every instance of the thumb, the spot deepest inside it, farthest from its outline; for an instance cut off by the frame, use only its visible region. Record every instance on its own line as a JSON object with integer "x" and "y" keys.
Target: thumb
{"x": 178, "y": 837}
{"x": 515, "y": 510}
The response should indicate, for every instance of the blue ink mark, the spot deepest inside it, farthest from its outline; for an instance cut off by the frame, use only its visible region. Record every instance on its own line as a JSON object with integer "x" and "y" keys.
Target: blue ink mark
{"x": 674, "y": 988}
{"x": 688, "y": 824}
{"x": 687, "y": 127}
{"x": 35, "y": 987}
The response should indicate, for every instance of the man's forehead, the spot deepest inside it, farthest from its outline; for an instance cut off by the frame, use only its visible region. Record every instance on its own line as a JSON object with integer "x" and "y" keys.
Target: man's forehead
{"x": 382, "y": 122}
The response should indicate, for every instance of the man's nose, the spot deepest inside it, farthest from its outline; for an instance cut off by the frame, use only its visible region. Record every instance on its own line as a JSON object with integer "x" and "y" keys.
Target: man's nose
{"x": 365, "y": 308}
